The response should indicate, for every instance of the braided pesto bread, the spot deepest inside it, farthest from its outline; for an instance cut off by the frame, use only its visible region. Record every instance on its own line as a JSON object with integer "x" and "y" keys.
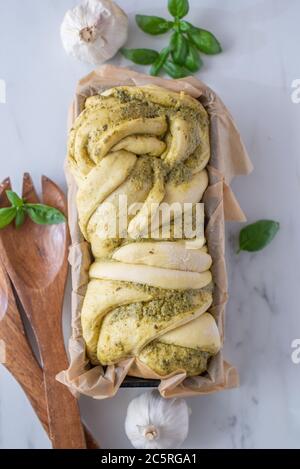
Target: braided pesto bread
{"x": 147, "y": 297}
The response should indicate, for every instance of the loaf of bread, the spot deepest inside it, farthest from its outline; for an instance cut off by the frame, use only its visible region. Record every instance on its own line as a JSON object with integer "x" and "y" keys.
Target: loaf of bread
{"x": 149, "y": 292}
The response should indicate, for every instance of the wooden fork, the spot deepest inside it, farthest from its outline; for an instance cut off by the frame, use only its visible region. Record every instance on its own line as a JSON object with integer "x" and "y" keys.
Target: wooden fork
{"x": 35, "y": 258}
{"x": 19, "y": 359}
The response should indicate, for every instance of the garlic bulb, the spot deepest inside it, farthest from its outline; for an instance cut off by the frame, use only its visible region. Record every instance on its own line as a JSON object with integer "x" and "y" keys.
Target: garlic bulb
{"x": 94, "y": 31}
{"x": 153, "y": 422}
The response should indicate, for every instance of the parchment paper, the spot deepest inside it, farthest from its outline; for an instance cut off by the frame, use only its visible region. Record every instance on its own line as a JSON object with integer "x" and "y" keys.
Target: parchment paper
{"x": 228, "y": 159}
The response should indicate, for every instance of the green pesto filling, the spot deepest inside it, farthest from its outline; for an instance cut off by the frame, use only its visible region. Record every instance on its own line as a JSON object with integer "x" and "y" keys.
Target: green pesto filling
{"x": 141, "y": 172}
{"x": 141, "y": 108}
{"x": 159, "y": 310}
{"x": 137, "y": 101}
{"x": 162, "y": 292}
{"x": 166, "y": 358}
{"x": 180, "y": 174}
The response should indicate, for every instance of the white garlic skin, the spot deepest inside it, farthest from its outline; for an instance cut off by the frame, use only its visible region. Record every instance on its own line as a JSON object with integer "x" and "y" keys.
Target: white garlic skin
{"x": 94, "y": 31}
{"x": 153, "y": 422}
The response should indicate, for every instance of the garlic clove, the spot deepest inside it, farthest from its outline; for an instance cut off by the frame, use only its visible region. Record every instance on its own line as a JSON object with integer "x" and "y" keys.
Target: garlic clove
{"x": 149, "y": 432}
{"x": 153, "y": 422}
{"x": 94, "y": 31}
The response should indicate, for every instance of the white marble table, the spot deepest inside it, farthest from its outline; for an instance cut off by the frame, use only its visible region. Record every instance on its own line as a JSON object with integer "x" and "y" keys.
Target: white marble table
{"x": 254, "y": 76}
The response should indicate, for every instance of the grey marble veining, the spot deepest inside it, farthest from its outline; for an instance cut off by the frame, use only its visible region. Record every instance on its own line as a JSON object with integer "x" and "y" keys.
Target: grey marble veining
{"x": 253, "y": 76}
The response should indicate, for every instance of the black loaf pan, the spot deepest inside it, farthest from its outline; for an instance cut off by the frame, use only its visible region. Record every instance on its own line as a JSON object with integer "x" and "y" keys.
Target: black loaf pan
{"x": 132, "y": 382}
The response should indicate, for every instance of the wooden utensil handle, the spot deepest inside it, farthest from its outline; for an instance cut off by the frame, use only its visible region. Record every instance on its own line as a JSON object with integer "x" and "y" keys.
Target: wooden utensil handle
{"x": 63, "y": 411}
{"x": 31, "y": 380}
{"x": 64, "y": 420}
{"x": 43, "y": 307}
{"x": 30, "y": 377}
{"x": 59, "y": 411}
{"x": 91, "y": 443}
{"x": 35, "y": 259}
{"x": 25, "y": 369}
{"x": 23, "y": 366}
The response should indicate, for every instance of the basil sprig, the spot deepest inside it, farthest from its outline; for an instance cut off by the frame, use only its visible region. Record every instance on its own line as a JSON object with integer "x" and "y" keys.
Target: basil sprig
{"x": 174, "y": 70}
{"x": 193, "y": 61}
{"x": 178, "y": 8}
{"x": 204, "y": 40}
{"x": 258, "y": 235}
{"x": 179, "y": 47}
{"x": 38, "y": 213}
{"x": 7, "y": 215}
{"x": 44, "y": 215}
{"x": 153, "y": 24}
{"x": 141, "y": 56}
{"x": 159, "y": 62}
{"x": 182, "y": 55}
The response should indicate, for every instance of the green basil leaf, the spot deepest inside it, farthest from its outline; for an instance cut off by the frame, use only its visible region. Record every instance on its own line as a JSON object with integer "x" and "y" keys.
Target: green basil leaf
{"x": 156, "y": 67}
{"x": 153, "y": 24}
{"x": 14, "y": 199}
{"x": 140, "y": 56}
{"x": 7, "y": 215}
{"x": 256, "y": 236}
{"x": 178, "y": 8}
{"x": 193, "y": 61}
{"x": 174, "y": 70}
{"x": 20, "y": 217}
{"x": 184, "y": 26}
{"x": 179, "y": 46}
{"x": 173, "y": 41}
{"x": 44, "y": 215}
{"x": 204, "y": 40}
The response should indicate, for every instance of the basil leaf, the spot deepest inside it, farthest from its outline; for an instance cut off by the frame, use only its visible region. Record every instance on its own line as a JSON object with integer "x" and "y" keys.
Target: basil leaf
{"x": 256, "y": 236}
{"x": 184, "y": 26}
{"x": 179, "y": 46}
{"x": 7, "y": 215}
{"x": 156, "y": 67}
{"x": 174, "y": 70}
{"x": 153, "y": 24}
{"x": 140, "y": 56}
{"x": 173, "y": 41}
{"x": 204, "y": 40}
{"x": 193, "y": 60}
{"x": 178, "y": 8}
{"x": 44, "y": 215}
{"x": 14, "y": 199}
{"x": 20, "y": 217}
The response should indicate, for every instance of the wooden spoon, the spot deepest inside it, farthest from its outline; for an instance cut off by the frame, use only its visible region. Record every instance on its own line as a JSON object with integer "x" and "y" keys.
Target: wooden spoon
{"x": 19, "y": 359}
{"x": 35, "y": 258}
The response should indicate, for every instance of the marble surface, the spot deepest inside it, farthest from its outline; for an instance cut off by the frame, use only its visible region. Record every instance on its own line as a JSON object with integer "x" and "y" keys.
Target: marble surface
{"x": 254, "y": 77}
